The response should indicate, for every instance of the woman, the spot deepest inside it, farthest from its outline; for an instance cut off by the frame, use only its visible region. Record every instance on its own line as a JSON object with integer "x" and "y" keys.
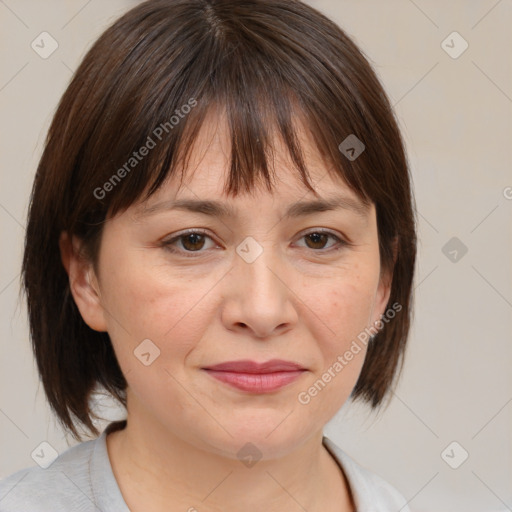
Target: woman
{"x": 221, "y": 236}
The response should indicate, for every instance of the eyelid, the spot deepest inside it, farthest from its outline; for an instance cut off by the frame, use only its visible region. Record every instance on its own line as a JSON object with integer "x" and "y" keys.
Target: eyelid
{"x": 166, "y": 243}
{"x": 342, "y": 240}
{"x": 326, "y": 231}
{"x": 176, "y": 236}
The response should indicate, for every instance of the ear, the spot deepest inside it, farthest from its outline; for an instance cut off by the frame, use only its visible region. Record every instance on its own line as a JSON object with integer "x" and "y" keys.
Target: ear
{"x": 83, "y": 282}
{"x": 384, "y": 288}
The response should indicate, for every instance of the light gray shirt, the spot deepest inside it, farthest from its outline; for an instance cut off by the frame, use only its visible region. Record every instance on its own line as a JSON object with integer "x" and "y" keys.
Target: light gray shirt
{"x": 81, "y": 480}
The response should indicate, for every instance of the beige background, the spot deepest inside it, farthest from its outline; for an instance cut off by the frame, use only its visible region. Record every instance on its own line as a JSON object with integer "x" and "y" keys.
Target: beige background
{"x": 456, "y": 115}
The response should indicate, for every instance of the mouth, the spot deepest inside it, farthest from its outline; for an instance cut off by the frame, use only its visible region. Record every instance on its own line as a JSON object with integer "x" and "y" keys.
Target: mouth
{"x": 254, "y": 377}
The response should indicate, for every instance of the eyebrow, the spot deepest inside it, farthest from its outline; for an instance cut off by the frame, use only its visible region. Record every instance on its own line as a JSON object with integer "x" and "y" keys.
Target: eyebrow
{"x": 218, "y": 209}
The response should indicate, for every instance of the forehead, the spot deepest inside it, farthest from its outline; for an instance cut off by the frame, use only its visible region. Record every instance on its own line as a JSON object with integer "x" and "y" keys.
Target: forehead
{"x": 207, "y": 171}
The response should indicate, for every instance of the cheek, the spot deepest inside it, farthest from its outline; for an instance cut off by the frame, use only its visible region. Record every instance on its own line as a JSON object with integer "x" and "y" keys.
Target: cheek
{"x": 171, "y": 313}
{"x": 330, "y": 385}
{"x": 349, "y": 310}
{"x": 342, "y": 310}
{"x": 151, "y": 303}
{"x": 344, "y": 305}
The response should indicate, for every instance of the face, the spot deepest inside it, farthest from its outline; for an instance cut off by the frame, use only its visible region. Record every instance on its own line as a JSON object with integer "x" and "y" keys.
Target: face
{"x": 254, "y": 284}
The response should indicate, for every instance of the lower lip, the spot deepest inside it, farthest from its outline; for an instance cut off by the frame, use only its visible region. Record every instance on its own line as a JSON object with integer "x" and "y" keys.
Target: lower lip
{"x": 256, "y": 382}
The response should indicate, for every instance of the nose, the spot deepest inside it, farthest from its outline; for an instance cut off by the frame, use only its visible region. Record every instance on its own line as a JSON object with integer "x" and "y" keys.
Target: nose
{"x": 258, "y": 296}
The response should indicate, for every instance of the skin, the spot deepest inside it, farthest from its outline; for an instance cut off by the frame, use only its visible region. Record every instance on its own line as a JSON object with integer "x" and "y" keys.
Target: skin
{"x": 300, "y": 300}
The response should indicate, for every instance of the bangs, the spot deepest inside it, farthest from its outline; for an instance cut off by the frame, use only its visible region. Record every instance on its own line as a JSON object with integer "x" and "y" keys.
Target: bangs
{"x": 262, "y": 89}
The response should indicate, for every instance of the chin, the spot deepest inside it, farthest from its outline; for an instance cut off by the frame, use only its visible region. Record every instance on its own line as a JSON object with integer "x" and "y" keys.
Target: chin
{"x": 263, "y": 438}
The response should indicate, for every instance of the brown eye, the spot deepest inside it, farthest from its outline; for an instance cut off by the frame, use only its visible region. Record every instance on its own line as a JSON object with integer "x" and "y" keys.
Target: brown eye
{"x": 188, "y": 243}
{"x": 192, "y": 241}
{"x": 318, "y": 240}
{"x": 195, "y": 243}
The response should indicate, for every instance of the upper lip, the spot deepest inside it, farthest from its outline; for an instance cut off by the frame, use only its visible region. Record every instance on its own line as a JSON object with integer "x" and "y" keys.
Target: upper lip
{"x": 248, "y": 366}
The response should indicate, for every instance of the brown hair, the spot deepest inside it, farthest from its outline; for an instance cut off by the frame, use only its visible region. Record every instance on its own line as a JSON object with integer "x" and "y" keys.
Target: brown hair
{"x": 264, "y": 62}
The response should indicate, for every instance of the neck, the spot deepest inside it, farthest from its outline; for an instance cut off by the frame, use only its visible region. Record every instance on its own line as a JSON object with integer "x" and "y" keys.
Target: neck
{"x": 158, "y": 471}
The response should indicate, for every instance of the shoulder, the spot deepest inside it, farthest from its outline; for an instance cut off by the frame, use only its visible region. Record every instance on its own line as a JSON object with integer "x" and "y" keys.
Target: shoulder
{"x": 64, "y": 485}
{"x": 371, "y": 492}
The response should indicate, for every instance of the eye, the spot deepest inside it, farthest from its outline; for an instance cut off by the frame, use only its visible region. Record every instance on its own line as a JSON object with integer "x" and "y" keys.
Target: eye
{"x": 317, "y": 240}
{"x": 191, "y": 242}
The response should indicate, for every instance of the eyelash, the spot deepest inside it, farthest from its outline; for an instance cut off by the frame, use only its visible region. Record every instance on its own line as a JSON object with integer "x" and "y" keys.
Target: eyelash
{"x": 167, "y": 244}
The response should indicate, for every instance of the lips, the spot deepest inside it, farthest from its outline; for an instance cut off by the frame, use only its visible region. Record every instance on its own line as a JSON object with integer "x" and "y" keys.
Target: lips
{"x": 247, "y": 366}
{"x": 253, "y": 377}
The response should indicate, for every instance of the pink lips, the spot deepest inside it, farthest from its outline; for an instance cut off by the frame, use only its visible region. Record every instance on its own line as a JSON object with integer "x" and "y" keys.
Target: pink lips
{"x": 256, "y": 377}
